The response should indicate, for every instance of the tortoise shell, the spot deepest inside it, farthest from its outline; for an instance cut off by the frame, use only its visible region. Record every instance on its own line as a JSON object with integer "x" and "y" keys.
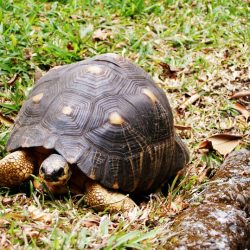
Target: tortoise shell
{"x": 106, "y": 116}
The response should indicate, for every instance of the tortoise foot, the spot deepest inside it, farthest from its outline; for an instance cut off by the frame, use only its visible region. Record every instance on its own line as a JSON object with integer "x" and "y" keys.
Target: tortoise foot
{"x": 15, "y": 168}
{"x": 100, "y": 198}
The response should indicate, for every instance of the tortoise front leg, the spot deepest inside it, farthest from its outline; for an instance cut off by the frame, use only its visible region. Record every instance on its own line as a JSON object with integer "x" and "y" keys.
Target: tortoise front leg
{"x": 15, "y": 168}
{"x": 100, "y": 198}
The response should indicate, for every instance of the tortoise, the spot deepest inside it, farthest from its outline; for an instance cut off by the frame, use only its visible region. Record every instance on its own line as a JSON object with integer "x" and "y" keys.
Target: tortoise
{"x": 100, "y": 125}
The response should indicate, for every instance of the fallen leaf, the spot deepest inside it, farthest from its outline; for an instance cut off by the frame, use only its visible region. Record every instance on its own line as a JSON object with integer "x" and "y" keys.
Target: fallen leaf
{"x": 240, "y": 94}
{"x": 178, "y": 204}
{"x": 203, "y": 175}
{"x": 223, "y": 143}
{"x": 181, "y": 127}
{"x": 205, "y": 144}
{"x": 75, "y": 17}
{"x": 175, "y": 205}
{"x": 70, "y": 47}
{"x": 242, "y": 110}
{"x": 30, "y": 232}
{"x": 101, "y": 35}
{"x": 8, "y": 122}
{"x": 39, "y": 215}
{"x": 14, "y": 216}
{"x": 189, "y": 101}
{"x": 4, "y": 223}
{"x": 120, "y": 45}
{"x": 4, "y": 242}
{"x": 91, "y": 222}
{"x": 13, "y": 79}
{"x": 7, "y": 201}
{"x": 38, "y": 74}
{"x": 27, "y": 53}
{"x": 167, "y": 72}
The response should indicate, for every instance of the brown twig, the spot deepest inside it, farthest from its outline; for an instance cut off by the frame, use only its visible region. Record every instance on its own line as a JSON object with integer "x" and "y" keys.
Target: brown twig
{"x": 240, "y": 94}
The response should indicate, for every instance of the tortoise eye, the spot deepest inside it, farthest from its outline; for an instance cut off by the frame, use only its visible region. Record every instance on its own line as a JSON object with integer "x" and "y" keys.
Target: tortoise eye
{"x": 42, "y": 169}
{"x": 60, "y": 172}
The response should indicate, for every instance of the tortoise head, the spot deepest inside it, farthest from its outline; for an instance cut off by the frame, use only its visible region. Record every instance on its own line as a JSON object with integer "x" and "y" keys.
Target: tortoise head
{"x": 55, "y": 170}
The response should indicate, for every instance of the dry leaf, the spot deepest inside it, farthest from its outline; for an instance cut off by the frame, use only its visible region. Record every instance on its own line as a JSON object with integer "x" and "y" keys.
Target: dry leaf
{"x": 6, "y": 120}
{"x": 38, "y": 74}
{"x": 4, "y": 242}
{"x": 70, "y": 47}
{"x": 30, "y": 232}
{"x": 75, "y": 17}
{"x": 223, "y": 143}
{"x": 91, "y": 222}
{"x": 242, "y": 110}
{"x": 39, "y": 215}
{"x": 7, "y": 201}
{"x": 4, "y": 223}
{"x": 27, "y": 53}
{"x": 181, "y": 127}
{"x": 189, "y": 101}
{"x": 240, "y": 94}
{"x": 14, "y": 216}
{"x": 120, "y": 45}
{"x": 101, "y": 35}
{"x": 13, "y": 79}
{"x": 177, "y": 205}
{"x": 167, "y": 71}
{"x": 205, "y": 144}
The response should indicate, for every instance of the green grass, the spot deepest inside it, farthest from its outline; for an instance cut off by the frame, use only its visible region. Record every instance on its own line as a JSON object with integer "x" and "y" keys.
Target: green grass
{"x": 207, "y": 42}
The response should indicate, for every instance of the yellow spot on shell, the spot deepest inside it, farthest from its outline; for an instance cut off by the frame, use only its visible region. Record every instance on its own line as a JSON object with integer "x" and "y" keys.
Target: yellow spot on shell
{"x": 94, "y": 69}
{"x": 37, "y": 98}
{"x": 150, "y": 94}
{"x": 67, "y": 110}
{"x": 115, "y": 119}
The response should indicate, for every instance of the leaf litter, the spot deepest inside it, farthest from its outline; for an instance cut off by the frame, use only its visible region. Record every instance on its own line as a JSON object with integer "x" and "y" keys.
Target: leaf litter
{"x": 223, "y": 143}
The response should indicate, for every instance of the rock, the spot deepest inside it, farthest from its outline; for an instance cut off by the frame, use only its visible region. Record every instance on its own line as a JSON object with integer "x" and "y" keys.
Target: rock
{"x": 221, "y": 220}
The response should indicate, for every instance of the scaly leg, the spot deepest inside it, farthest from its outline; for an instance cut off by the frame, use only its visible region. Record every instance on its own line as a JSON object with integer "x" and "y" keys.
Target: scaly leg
{"x": 15, "y": 168}
{"x": 100, "y": 198}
